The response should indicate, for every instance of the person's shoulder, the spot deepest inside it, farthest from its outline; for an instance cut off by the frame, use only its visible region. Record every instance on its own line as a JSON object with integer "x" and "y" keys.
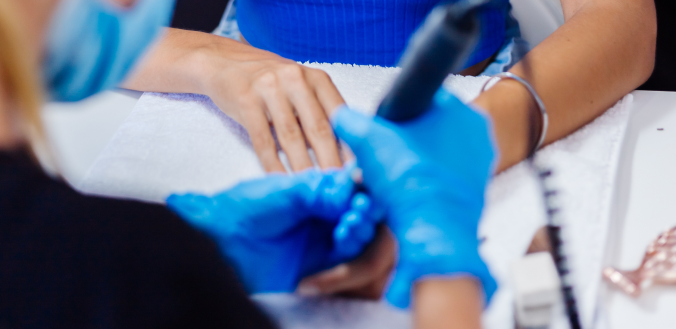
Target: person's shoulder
{"x": 60, "y": 199}
{"x": 141, "y": 222}
{"x": 106, "y": 249}
{"x": 45, "y": 204}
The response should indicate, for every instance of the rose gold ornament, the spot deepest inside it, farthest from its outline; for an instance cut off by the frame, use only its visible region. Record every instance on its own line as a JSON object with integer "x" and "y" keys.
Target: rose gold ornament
{"x": 658, "y": 267}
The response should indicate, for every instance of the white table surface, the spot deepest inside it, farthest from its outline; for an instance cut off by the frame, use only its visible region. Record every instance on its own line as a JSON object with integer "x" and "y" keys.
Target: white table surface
{"x": 645, "y": 205}
{"x": 645, "y": 198}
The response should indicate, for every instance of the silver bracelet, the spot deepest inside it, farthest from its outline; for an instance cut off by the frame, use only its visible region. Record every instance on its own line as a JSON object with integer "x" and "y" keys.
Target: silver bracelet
{"x": 538, "y": 100}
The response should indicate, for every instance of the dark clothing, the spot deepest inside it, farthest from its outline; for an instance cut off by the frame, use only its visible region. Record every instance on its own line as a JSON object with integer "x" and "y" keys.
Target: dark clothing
{"x": 664, "y": 75}
{"x": 198, "y": 15}
{"x": 71, "y": 261}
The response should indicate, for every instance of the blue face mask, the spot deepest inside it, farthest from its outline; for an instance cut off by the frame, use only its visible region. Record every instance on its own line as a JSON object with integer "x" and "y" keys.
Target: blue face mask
{"x": 92, "y": 45}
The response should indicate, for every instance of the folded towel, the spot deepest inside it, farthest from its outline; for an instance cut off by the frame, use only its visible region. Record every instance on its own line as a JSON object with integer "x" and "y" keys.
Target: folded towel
{"x": 179, "y": 142}
{"x": 182, "y": 142}
{"x": 585, "y": 167}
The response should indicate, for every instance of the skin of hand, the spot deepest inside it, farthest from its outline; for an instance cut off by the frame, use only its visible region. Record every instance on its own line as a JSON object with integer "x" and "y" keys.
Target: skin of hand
{"x": 540, "y": 242}
{"x": 447, "y": 304}
{"x": 365, "y": 277}
{"x": 256, "y": 88}
{"x": 280, "y": 228}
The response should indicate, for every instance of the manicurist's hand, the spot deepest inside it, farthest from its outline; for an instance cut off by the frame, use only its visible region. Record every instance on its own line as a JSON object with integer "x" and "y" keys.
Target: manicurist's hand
{"x": 429, "y": 174}
{"x": 258, "y": 89}
{"x": 279, "y": 229}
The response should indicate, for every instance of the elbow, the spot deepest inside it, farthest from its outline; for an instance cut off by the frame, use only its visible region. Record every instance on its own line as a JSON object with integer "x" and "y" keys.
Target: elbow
{"x": 645, "y": 59}
{"x": 645, "y": 42}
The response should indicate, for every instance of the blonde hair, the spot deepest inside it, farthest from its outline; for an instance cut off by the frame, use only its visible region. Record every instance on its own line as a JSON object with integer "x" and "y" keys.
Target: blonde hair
{"x": 19, "y": 74}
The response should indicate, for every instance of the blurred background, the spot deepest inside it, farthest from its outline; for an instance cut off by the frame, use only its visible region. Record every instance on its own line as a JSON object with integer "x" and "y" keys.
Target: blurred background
{"x": 198, "y": 15}
{"x": 538, "y": 19}
{"x": 664, "y": 76}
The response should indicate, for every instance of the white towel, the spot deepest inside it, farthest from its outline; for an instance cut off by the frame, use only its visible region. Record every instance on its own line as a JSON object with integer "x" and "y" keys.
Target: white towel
{"x": 176, "y": 143}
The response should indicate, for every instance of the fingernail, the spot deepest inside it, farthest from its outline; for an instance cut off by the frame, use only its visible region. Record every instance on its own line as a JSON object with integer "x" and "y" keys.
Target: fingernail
{"x": 308, "y": 290}
{"x": 352, "y": 218}
{"x": 361, "y": 202}
{"x": 341, "y": 233}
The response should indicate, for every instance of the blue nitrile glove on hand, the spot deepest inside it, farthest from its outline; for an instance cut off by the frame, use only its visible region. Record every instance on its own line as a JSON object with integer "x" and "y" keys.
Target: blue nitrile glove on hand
{"x": 279, "y": 229}
{"x": 430, "y": 175}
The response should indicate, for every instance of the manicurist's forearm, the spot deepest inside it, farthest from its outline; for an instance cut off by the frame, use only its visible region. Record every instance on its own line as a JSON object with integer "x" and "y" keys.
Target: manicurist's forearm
{"x": 448, "y": 304}
{"x": 605, "y": 49}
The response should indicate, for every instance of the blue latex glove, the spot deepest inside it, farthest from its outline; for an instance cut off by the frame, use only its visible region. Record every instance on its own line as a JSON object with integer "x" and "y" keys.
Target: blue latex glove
{"x": 279, "y": 229}
{"x": 430, "y": 175}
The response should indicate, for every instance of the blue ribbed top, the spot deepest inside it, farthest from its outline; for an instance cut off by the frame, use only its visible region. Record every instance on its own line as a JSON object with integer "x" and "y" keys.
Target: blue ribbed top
{"x": 365, "y": 32}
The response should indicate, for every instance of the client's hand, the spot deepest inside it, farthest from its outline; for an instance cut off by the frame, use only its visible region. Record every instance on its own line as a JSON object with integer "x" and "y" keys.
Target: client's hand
{"x": 281, "y": 228}
{"x": 257, "y": 88}
{"x": 261, "y": 90}
{"x": 364, "y": 277}
{"x": 430, "y": 175}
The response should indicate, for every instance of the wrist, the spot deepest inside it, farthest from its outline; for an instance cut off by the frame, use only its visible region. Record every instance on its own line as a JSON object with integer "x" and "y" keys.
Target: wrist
{"x": 438, "y": 249}
{"x": 205, "y": 66}
{"x": 516, "y": 120}
{"x": 437, "y": 237}
{"x": 453, "y": 303}
{"x": 433, "y": 193}
{"x": 460, "y": 261}
{"x": 450, "y": 215}
{"x": 183, "y": 61}
{"x": 209, "y": 57}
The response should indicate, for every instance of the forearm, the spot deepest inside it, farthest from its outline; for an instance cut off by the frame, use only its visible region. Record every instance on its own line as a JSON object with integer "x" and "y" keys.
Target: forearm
{"x": 447, "y": 303}
{"x": 179, "y": 62}
{"x": 254, "y": 87}
{"x": 605, "y": 49}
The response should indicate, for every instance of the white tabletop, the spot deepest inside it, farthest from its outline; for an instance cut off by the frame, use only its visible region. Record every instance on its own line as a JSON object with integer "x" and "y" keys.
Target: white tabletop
{"x": 644, "y": 206}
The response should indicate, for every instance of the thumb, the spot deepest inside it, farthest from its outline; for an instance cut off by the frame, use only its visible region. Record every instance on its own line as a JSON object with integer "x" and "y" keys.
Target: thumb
{"x": 352, "y": 127}
{"x": 399, "y": 292}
